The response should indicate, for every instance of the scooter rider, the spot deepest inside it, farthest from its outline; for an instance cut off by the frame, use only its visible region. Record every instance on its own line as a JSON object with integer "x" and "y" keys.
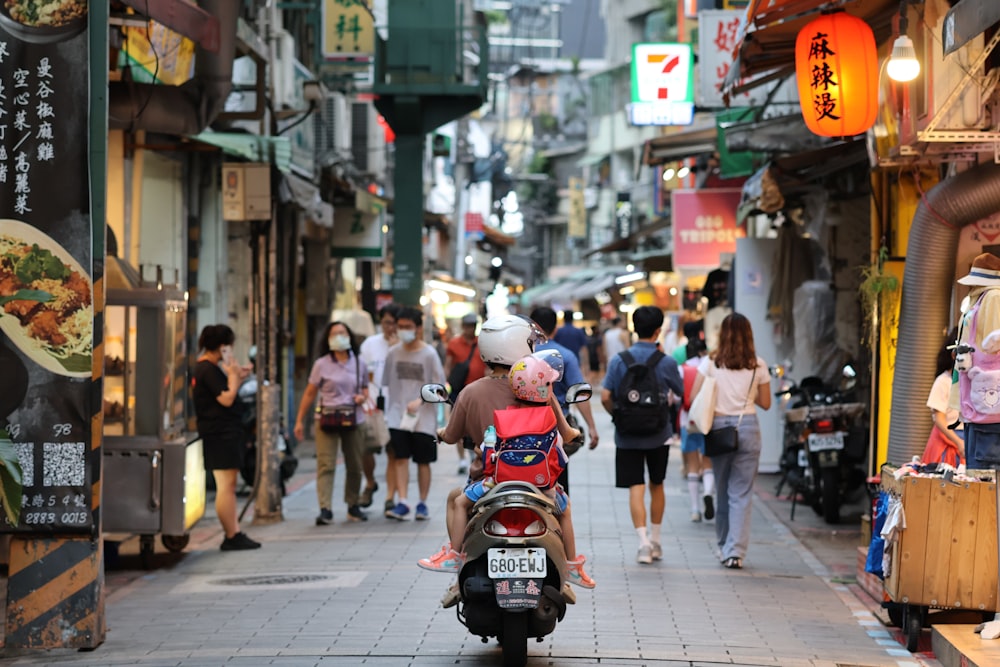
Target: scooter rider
{"x": 503, "y": 340}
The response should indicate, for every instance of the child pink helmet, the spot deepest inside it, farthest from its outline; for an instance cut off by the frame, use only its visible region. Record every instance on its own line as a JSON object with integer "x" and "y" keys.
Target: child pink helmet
{"x": 531, "y": 377}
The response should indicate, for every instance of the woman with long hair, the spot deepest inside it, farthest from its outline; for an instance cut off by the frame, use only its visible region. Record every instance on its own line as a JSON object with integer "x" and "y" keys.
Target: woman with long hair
{"x": 742, "y": 382}
{"x": 339, "y": 379}
{"x": 944, "y": 444}
{"x": 217, "y": 378}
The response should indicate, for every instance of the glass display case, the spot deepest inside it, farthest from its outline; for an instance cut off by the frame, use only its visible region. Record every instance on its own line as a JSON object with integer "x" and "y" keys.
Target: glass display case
{"x": 154, "y": 477}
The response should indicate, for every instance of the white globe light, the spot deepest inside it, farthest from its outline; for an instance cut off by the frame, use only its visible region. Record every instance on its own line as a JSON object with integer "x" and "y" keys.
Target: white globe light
{"x": 903, "y": 65}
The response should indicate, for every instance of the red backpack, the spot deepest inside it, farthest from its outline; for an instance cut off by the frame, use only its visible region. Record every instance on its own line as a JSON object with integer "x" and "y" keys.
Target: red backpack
{"x": 527, "y": 446}
{"x": 690, "y": 374}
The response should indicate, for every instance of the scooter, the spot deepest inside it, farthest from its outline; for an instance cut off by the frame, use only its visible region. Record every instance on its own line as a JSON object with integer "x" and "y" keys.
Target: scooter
{"x": 511, "y": 586}
{"x": 822, "y": 443}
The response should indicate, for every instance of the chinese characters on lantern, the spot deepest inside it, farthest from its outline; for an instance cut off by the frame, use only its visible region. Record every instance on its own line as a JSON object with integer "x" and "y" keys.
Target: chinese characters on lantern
{"x": 822, "y": 78}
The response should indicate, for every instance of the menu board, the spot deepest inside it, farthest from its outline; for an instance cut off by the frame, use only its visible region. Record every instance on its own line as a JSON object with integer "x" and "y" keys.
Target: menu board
{"x": 46, "y": 263}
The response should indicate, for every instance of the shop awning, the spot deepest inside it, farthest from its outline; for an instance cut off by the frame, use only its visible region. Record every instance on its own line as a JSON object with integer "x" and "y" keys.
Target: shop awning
{"x": 600, "y": 283}
{"x": 680, "y": 145}
{"x": 632, "y": 240}
{"x": 252, "y": 147}
{"x": 767, "y": 49}
{"x": 306, "y": 196}
{"x": 591, "y": 159}
{"x": 495, "y": 236}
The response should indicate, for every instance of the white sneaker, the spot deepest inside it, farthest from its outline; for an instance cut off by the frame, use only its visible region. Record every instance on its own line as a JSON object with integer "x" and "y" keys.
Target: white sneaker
{"x": 657, "y": 551}
{"x": 695, "y": 517}
{"x": 645, "y": 555}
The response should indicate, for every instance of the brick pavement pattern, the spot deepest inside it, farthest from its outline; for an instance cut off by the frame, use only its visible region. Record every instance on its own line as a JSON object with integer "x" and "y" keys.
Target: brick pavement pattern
{"x": 352, "y": 594}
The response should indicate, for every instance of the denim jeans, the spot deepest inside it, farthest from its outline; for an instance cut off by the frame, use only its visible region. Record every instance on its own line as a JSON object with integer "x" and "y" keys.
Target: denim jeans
{"x": 734, "y": 477}
{"x": 982, "y": 445}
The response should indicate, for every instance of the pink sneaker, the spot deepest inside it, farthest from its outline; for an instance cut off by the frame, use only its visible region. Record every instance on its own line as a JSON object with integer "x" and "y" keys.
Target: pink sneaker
{"x": 577, "y": 575}
{"x": 445, "y": 560}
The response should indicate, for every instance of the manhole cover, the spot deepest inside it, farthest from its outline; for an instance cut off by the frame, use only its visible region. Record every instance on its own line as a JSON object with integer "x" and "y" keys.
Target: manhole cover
{"x": 270, "y": 580}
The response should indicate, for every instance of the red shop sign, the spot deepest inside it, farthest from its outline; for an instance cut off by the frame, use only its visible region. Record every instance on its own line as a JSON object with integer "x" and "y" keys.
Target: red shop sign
{"x": 703, "y": 226}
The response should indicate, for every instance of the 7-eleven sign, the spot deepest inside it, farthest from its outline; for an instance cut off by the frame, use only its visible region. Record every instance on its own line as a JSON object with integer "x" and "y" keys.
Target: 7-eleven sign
{"x": 662, "y": 73}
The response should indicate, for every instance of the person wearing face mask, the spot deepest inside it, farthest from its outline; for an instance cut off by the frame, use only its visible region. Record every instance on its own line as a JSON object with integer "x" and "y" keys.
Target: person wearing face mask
{"x": 373, "y": 352}
{"x": 339, "y": 378}
{"x": 412, "y": 423}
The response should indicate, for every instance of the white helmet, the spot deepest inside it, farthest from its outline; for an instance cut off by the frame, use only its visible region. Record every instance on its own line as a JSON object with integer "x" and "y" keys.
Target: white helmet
{"x": 506, "y": 338}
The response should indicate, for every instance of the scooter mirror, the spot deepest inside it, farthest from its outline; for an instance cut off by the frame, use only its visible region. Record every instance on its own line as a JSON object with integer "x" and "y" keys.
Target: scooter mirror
{"x": 434, "y": 393}
{"x": 579, "y": 393}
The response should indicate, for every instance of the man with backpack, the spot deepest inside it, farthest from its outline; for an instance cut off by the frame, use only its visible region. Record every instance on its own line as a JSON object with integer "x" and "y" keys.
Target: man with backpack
{"x": 635, "y": 392}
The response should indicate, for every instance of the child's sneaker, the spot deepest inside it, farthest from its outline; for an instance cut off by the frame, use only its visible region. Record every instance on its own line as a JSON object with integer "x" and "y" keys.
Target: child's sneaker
{"x": 399, "y": 512}
{"x": 577, "y": 575}
{"x": 445, "y": 560}
{"x": 422, "y": 514}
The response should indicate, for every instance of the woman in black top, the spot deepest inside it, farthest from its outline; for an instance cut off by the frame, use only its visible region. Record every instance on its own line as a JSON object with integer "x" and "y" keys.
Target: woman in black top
{"x": 217, "y": 377}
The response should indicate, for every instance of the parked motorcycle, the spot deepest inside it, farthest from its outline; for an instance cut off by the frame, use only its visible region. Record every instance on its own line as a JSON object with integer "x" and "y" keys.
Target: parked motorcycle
{"x": 511, "y": 586}
{"x": 824, "y": 446}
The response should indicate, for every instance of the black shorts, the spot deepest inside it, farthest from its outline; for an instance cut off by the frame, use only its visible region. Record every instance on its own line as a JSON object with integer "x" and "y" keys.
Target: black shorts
{"x": 420, "y": 447}
{"x": 629, "y": 464}
{"x": 224, "y": 451}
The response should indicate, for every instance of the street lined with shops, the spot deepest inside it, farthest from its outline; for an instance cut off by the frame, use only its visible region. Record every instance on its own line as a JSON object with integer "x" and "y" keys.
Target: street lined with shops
{"x": 351, "y": 593}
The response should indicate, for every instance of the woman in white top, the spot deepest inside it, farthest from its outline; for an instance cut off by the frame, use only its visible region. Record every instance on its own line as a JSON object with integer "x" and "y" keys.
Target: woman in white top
{"x": 742, "y": 383}
{"x": 944, "y": 445}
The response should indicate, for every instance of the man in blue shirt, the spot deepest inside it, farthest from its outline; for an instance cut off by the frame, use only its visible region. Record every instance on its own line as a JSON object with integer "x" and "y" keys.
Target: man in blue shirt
{"x": 545, "y": 318}
{"x": 635, "y": 454}
{"x": 569, "y": 336}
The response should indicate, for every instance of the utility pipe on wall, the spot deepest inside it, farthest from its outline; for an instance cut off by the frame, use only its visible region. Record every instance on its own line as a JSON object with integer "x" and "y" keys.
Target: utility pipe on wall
{"x": 928, "y": 283}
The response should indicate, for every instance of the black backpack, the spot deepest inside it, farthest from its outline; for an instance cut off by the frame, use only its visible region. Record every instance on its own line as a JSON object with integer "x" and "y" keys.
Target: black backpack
{"x": 640, "y": 402}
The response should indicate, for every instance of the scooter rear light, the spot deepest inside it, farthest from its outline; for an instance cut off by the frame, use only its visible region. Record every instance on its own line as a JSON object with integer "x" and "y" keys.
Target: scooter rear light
{"x": 823, "y": 426}
{"x": 515, "y": 522}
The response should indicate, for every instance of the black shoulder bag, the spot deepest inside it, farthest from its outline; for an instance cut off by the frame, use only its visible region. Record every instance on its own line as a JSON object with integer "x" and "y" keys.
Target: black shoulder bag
{"x": 726, "y": 440}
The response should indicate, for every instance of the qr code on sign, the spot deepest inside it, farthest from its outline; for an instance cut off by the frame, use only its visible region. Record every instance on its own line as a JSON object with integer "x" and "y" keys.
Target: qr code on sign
{"x": 26, "y": 457}
{"x": 63, "y": 464}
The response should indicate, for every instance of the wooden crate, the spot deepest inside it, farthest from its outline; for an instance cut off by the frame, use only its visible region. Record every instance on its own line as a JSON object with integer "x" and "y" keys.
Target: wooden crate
{"x": 947, "y": 555}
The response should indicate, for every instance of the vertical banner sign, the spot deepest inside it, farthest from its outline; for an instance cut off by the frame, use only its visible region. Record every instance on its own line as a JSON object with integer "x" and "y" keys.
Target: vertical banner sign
{"x": 577, "y": 227}
{"x": 47, "y": 266}
{"x": 703, "y": 226}
{"x": 719, "y": 32}
{"x": 623, "y": 215}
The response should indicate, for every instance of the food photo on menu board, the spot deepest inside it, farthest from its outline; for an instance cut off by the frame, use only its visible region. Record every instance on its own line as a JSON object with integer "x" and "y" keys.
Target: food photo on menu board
{"x": 47, "y": 266}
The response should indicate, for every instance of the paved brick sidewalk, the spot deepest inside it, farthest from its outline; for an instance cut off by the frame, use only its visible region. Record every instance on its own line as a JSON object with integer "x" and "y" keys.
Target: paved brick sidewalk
{"x": 351, "y": 594}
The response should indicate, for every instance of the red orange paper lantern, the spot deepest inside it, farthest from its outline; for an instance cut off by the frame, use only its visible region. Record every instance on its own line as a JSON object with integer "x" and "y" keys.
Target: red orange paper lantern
{"x": 836, "y": 67}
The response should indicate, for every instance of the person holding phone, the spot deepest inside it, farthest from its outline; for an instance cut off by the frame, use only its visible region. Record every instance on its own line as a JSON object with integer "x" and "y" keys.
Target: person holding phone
{"x": 217, "y": 377}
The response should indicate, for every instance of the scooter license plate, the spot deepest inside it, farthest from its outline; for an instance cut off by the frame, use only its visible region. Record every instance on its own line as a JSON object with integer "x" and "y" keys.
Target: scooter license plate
{"x": 516, "y": 562}
{"x": 821, "y": 442}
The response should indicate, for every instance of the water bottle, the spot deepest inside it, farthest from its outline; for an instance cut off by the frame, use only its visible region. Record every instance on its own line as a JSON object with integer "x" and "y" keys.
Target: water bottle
{"x": 490, "y": 437}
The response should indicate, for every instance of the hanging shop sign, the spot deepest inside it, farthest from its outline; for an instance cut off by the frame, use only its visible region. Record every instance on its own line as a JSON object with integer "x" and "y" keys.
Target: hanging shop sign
{"x": 246, "y": 191}
{"x": 623, "y": 215}
{"x": 836, "y": 68}
{"x": 703, "y": 226}
{"x": 577, "y": 226}
{"x": 662, "y": 85}
{"x": 47, "y": 270}
{"x": 348, "y": 30}
{"x": 357, "y": 232}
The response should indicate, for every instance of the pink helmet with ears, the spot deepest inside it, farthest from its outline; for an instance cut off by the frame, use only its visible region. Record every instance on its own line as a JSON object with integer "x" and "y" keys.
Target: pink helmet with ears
{"x": 531, "y": 377}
